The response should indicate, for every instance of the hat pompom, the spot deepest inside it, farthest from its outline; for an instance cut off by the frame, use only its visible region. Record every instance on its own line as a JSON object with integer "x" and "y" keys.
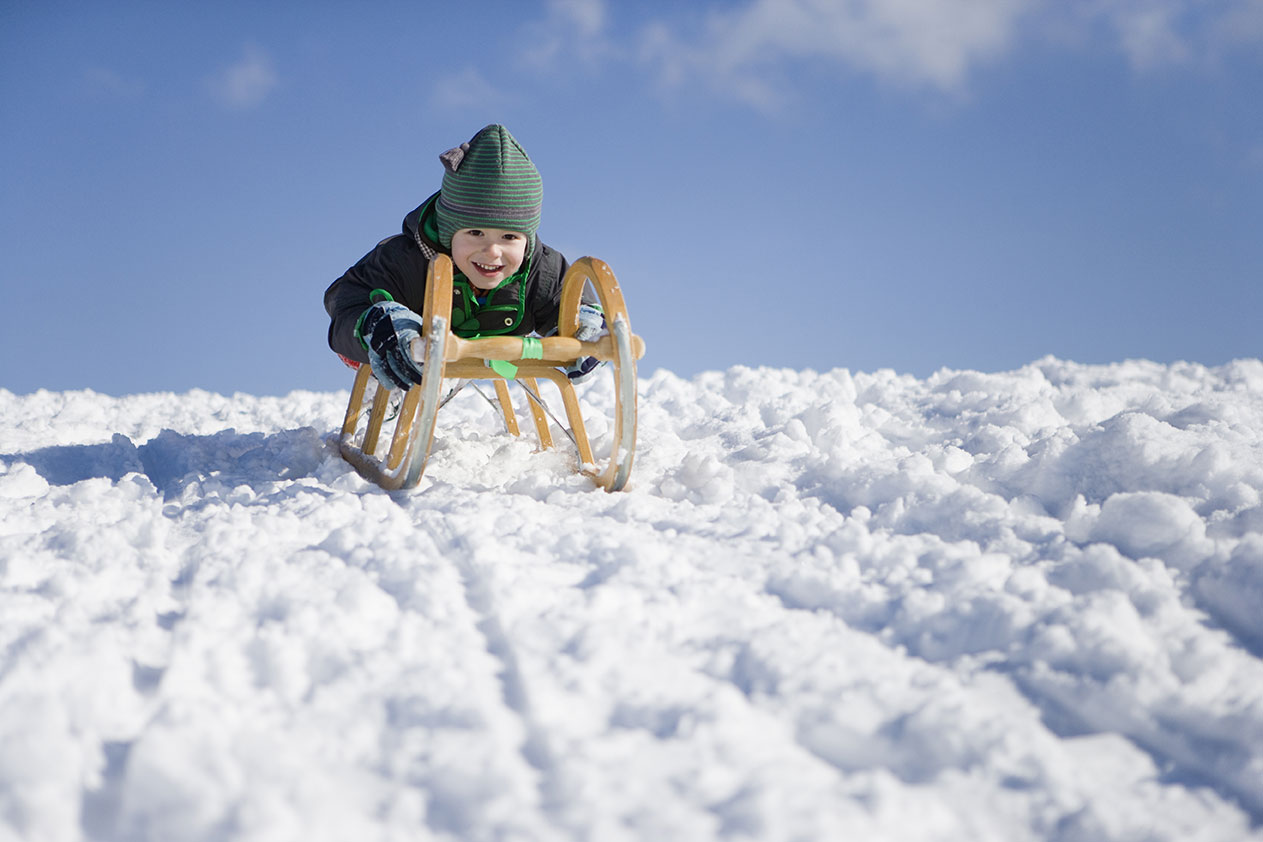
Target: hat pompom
{"x": 452, "y": 158}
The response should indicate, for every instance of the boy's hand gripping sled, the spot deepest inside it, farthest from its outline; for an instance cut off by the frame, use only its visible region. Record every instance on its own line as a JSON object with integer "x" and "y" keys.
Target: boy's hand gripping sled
{"x": 444, "y": 354}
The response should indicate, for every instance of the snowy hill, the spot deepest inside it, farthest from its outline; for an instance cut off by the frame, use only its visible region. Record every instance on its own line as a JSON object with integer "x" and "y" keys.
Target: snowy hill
{"x": 1014, "y": 606}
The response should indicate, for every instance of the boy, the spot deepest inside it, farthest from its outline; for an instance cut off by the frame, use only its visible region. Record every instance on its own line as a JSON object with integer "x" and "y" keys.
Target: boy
{"x": 485, "y": 216}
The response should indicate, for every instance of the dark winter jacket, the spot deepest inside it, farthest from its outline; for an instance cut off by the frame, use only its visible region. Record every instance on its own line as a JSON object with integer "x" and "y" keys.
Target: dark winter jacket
{"x": 527, "y": 303}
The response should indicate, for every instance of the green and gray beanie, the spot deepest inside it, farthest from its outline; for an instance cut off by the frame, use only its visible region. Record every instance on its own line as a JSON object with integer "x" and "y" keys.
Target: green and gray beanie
{"x": 489, "y": 182}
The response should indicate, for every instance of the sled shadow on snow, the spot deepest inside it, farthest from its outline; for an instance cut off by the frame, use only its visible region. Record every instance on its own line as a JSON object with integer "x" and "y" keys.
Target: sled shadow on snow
{"x": 172, "y": 461}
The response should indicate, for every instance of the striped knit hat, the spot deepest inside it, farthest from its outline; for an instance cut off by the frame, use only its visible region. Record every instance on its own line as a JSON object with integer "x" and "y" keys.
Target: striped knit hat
{"x": 489, "y": 182}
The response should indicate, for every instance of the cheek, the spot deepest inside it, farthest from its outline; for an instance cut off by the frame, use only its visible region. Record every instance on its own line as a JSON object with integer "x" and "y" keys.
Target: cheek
{"x": 463, "y": 257}
{"x": 517, "y": 257}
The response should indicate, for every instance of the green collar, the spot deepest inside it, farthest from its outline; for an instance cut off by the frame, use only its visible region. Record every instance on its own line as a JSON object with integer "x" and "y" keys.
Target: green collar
{"x": 428, "y": 221}
{"x": 499, "y": 312}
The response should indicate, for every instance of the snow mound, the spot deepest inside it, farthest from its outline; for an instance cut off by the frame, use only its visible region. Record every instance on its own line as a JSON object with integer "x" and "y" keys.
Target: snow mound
{"x": 1011, "y": 606}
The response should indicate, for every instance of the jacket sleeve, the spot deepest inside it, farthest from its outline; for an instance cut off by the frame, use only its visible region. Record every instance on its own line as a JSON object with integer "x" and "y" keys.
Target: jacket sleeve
{"x": 397, "y": 266}
{"x": 546, "y": 298}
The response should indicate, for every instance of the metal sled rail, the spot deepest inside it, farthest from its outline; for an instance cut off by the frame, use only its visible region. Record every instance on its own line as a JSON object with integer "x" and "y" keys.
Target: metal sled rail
{"x": 444, "y": 355}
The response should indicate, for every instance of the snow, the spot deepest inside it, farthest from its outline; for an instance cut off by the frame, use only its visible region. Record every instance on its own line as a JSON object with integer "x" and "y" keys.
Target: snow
{"x": 989, "y": 606}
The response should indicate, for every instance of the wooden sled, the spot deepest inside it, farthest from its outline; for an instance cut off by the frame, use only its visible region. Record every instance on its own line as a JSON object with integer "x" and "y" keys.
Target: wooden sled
{"x": 445, "y": 355}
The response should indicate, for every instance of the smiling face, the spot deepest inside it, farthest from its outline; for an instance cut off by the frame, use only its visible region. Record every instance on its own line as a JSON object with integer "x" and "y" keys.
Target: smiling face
{"x": 488, "y": 255}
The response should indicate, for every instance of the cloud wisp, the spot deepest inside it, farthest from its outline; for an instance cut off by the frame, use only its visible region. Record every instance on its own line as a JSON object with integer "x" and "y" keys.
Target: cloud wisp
{"x": 571, "y": 29}
{"x": 906, "y": 43}
{"x": 749, "y": 51}
{"x": 245, "y": 83}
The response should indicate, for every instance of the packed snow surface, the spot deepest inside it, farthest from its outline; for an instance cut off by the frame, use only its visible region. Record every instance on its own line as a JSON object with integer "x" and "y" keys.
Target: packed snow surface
{"x": 1014, "y": 606}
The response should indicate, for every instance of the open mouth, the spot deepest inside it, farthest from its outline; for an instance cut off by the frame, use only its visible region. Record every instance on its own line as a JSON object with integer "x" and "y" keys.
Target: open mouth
{"x": 487, "y": 269}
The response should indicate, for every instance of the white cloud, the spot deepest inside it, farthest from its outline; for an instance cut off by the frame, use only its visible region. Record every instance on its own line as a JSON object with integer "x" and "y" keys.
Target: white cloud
{"x": 1149, "y": 37}
{"x": 246, "y": 82}
{"x": 587, "y": 16}
{"x": 752, "y": 50}
{"x": 1240, "y": 25}
{"x": 907, "y": 40}
{"x": 910, "y": 42}
{"x": 1154, "y": 34}
{"x": 572, "y": 30}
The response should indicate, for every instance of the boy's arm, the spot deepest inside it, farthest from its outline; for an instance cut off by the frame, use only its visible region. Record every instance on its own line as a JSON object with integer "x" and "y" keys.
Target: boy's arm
{"x": 546, "y": 302}
{"x": 387, "y": 267}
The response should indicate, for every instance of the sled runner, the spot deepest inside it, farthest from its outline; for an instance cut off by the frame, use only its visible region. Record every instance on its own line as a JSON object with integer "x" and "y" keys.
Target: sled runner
{"x": 525, "y": 359}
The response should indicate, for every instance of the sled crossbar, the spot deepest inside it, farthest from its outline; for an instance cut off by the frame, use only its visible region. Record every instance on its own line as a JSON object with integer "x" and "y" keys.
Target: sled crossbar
{"x": 556, "y": 350}
{"x": 442, "y": 354}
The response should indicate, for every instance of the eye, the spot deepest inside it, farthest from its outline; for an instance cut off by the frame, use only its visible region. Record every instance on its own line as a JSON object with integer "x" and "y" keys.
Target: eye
{"x": 473, "y": 232}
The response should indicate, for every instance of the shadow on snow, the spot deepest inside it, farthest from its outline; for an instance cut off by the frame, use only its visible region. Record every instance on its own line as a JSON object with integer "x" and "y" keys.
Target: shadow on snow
{"x": 173, "y": 460}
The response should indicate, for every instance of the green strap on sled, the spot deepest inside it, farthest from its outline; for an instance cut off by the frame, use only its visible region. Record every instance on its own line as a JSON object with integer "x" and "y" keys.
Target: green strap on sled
{"x": 532, "y": 349}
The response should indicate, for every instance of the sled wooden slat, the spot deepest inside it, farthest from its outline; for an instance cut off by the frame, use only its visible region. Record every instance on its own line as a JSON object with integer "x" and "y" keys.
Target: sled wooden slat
{"x": 506, "y": 407}
{"x": 538, "y": 415}
{"x": 444, "y": 355}
{"x": 381, "y": 399}
{"x": 349, "y": 422}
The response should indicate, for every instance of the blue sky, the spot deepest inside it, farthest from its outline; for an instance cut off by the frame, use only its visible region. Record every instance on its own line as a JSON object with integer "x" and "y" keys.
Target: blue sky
{"x": 792, "y": 183}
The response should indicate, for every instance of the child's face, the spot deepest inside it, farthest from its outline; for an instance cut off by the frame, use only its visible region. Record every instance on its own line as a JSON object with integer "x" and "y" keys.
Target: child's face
{"x": 488, "y": 255}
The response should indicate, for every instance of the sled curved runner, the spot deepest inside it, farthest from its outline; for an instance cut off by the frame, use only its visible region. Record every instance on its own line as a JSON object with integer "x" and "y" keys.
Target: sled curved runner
{"x": 446, "y": 355}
